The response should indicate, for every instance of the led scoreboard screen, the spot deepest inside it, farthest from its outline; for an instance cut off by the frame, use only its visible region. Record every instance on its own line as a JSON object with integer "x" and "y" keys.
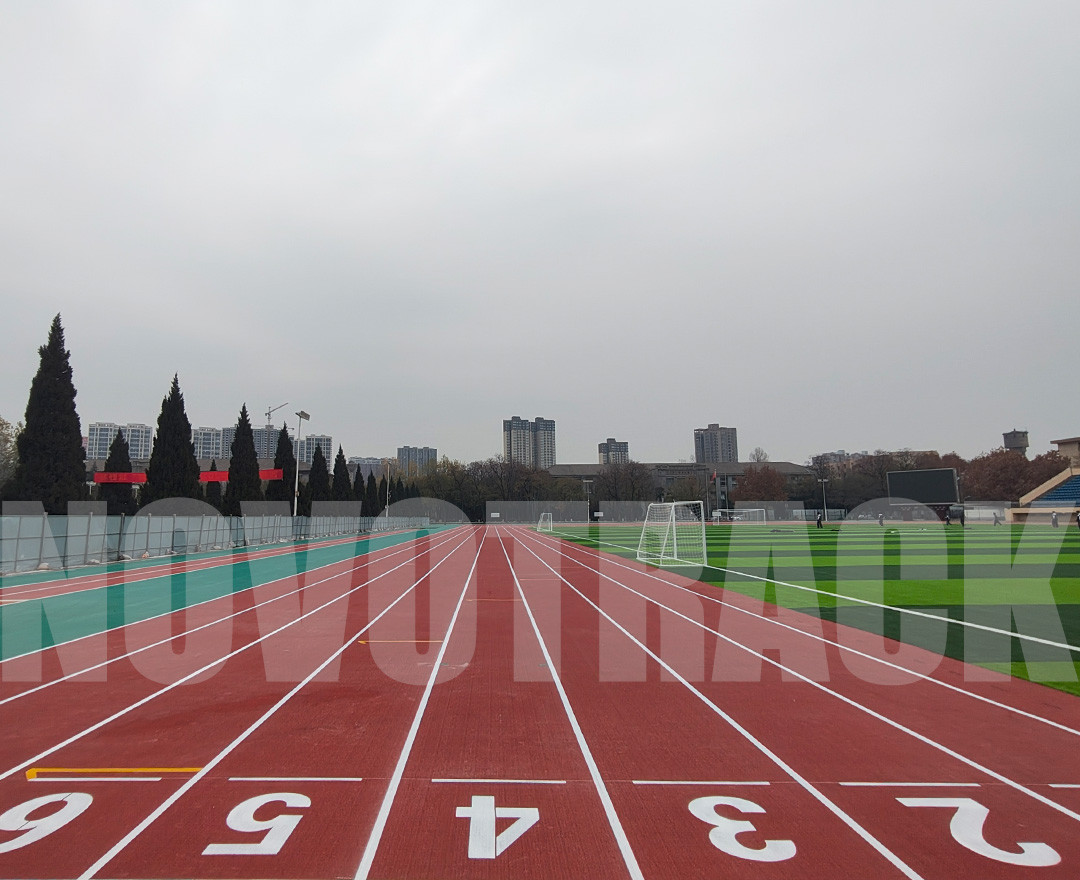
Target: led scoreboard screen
{"x": 928, "y": 486}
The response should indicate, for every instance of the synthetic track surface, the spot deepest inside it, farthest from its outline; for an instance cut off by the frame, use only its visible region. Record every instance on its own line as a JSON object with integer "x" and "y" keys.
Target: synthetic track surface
{"x": 494, "y": 703}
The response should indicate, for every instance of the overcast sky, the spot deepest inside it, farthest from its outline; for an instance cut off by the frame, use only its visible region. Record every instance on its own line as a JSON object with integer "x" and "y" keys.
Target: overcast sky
{"x": 828, "y": 224}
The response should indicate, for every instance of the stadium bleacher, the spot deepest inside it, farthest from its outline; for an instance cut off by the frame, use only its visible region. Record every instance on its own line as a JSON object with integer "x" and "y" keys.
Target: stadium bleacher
{"x": 1065, "y": 494}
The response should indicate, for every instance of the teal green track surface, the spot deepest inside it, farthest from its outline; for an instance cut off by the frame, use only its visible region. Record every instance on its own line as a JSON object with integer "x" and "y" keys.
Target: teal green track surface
{"x": 1021, "y": 579}
{"x": 32, "y": 624}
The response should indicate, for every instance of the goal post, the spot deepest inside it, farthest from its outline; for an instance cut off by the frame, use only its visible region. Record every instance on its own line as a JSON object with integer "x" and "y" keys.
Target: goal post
{"x": 673, "y": 534}
{"x": 752, "y": 515}
{"x": 545, "y": 523}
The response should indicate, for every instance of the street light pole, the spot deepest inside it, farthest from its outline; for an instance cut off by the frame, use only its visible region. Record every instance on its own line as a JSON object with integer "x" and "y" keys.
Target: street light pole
{"x": 824, "y": 505}
{"x": 301, "y": 417}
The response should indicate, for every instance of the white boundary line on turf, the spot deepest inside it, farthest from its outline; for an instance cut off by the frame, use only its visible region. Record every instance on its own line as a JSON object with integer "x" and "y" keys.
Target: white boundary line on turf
{"x": 625, "y": 849}
{"x": 936, "y": 617}
{"x": 941, "y": 747}
{"x": 213, "y": 762}
{"x": 619, "y": 563}
{"x": 216, "y": 662}
{"x": 397, "y": 550}
{"x": 375, "y": 837}
{"x": 787, "y": 769}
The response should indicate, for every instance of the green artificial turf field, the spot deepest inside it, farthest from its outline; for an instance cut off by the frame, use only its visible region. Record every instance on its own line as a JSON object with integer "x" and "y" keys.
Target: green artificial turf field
{"x": 1023, "y": 580}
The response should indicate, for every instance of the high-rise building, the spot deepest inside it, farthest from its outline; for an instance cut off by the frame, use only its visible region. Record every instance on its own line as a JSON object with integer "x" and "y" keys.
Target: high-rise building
{"x": 207, "y": 443}
{"x": 413, "y": 460}
{"x": 307, "y": 449}
{"x": 529, "y": 443}
{"x": 614, "y": 451}
{"x": 139, "y": 438}
{"x": 715, "y": 444}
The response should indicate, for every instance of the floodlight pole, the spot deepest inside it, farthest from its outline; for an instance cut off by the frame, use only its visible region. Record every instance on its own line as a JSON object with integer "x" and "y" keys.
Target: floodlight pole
{"x": 824, "y": 506}
{"x": 301, "y": 417}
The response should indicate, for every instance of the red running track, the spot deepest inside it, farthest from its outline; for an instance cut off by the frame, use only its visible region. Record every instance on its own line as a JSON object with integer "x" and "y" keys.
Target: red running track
{"x": 497, "y": 704}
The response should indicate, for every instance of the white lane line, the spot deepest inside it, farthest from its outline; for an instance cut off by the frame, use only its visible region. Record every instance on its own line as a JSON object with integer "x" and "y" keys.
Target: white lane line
{"x": 1064, "y": 785}
{"x": 911, "y": 784}
{"x": 618, "y": 563}
{"x": 790, "y": 771}
{"x": 397, "y": 551}
{"x": 296, "y": 779}
{"x": 353, "y": 559}
{"x": 96, "y": 779}
{"x": 695, "y": 782}
{"x": 375, "y": 837}
{"x": 507, "y": 781}
{"x": 210, "y": 765}
{"x": 944, "y": 749}
{"x": 211, "y": 665}
{"x": 627, "y": 851}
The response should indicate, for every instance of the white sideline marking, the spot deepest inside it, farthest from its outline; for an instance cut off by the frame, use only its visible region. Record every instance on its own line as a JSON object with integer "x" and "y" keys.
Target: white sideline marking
{"x": 790, "y": 771}
{"x": 187, "y": 632}
{"x": 406, "y": 750}
{"x": 296, "y": 779}
{"x": 844, "y": 699}
{"x": 507, "y": 781}
{"x": 616, "y": 562}
{"x": 695, "y": 782}
{"x": 1064, "y": 785}
{"x": 911, "y": 784}
{"x": 210, "y": 765}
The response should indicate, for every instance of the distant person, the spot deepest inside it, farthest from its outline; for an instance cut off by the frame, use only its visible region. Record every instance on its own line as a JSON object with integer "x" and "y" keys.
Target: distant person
{"x": 881, "y": 519}
{"x": 819, "y": 525}
{"x": 948, "y": 519}
{"x": 1078, "y": 519}
{"x": 961, "y": 517}
{"x": 1053, "y": 518}
{"x": 997, "y": 519}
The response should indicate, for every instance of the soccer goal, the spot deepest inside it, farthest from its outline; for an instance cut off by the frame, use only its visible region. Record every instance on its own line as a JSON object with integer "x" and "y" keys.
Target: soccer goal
{"x": 545, "y": 523}
{"x": 673, "y": 534}
{"x": 754, "y": 516}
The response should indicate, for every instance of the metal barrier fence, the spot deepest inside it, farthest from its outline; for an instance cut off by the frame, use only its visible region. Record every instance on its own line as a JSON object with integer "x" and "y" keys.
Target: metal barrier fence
{"x": 29, "y": 543}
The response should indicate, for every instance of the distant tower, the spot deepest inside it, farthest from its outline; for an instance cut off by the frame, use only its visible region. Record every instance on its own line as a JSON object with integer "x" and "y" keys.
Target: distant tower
{"x": 1016, "y": 441}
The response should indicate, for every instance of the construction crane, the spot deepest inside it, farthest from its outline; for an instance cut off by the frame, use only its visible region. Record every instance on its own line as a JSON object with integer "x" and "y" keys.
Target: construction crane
{"x": 270, "y": 412}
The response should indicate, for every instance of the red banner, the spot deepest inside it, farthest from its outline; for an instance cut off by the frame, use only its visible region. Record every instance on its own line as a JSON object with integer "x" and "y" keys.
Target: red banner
{"x": 118, "y": 477}
{"x": 223, "y": 476}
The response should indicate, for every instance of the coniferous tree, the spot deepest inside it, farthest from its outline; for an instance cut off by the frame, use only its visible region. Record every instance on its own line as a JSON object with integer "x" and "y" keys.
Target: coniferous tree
{"x": 382, "y": 494}
{"x": 398, "y": 490}
{"x": 118, "y": 497}
{"x": 285, "y": 461}
{"x": 213, "y": 489}
{"x": 371, "y": 496}
{"x": 341, "y": 489}
{"x": 319, "y": 477}
{"x": 359, "y": 494}
{"x": 51, "y": 464}
{"x": 244, "y": 483}
{"x": 173, "y": 471}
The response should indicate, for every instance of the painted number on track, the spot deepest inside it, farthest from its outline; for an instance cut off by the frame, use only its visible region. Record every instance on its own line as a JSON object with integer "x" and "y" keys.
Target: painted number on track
{"x": 725, "y": 831}
{"x": 277, "y": 828}
{"x": 967, "y": 830}
{"x": 18, "y": 817}
{"x": 484, "y": 843}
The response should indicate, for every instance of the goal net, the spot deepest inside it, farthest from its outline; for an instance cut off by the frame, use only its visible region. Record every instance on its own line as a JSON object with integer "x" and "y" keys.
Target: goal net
{"x": 545, "y": 523}
{"x": 673, "y": 534}
{"x": 755, "y": 515}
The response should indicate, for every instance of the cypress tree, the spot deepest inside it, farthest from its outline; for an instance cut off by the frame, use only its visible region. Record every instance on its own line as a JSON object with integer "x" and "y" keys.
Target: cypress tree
{"x": 51, "y": 464}
{"x": 119, "y": 497}
{"x": 173, "y": 471}
{"x": 318, "y": 477}
{"x": 285, "y": 461}
{"x": 382, "y": 494}
{"x": 213, "y": 489}
{"x": 398, "y": 490}
{"x": 341, "y": 489}
{"x": 358, "y": 490}
{"x": 371, "y": 496}
{"x": 244, "y": 483}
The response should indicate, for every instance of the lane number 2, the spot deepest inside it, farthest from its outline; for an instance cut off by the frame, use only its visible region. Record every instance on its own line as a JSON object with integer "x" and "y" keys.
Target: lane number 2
{"x": 277, "y": 828}
{"x": 725, "y": 831}
{"x": 966, "y": 827}
{"x": 484, "y": 843}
